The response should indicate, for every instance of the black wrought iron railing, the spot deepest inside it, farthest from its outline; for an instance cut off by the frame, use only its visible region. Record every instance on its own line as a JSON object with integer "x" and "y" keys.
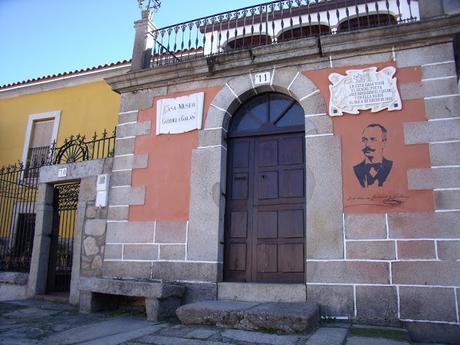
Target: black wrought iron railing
{"x": 78, "y": 148}
{"x": 272, "y": 23}
{"x": 18, "y": 192}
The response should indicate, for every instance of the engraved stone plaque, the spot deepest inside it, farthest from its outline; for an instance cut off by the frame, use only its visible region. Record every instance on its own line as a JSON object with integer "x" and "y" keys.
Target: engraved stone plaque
{"x": 180, "y": 114}
{"x": 362, "y": 90}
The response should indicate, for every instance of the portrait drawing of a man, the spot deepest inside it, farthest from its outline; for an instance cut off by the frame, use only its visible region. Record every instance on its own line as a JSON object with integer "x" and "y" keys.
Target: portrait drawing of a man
{"x": 374, "y": 168}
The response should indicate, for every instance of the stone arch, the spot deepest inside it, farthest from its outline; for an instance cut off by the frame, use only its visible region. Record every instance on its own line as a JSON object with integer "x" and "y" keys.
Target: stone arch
{"x": 289, "y": 81}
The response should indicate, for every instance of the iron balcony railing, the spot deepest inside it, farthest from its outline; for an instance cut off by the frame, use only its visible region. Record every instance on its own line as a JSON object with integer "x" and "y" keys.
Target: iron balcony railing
{"x": 272, "y": 23}
{"x": 78, "y": 148}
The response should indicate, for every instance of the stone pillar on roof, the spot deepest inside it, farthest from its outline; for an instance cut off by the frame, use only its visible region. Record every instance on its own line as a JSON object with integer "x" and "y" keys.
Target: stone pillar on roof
{"x": 143, "y": 41}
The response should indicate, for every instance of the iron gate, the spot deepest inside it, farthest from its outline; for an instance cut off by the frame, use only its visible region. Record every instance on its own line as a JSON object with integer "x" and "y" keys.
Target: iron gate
{"x": 62, "y": 236}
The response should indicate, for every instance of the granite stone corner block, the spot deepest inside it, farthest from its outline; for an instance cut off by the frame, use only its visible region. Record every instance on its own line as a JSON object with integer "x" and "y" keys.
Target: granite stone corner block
{"x": 428, "y": 88}
{"x": 118, "y": 213}
{"x": 447, "y": 199}
{"x": 129, "y": 130}
{"x": 445, "y": 154}
{"x": 140, "y": 252}
{"x": 416, "y": 250}
{"x": 377, "y": 304}
{"x": 95, "y": 227}
{"x": 365, "y": 226}
{"x": 128, "y": 117}
{"x": 216, "y": 118}
{"x": 424, "y": 55}
{"x": 424, "y": 225}
{"x": 121, "y": 178}
{"x": 449, "y": 250}
{"x": 172, "y": 252}
{"x": 334, "y": 300}
{"x": 350, "y": 272}
{"x": 211, "y": 137}
{"x": 130, "y": 232}
{"x": 226, "y": 100}
{"x": 430, "y": 303}
{"x": 318, "y": 125}
{"x": 441, "y": 108}
{"x": 140, "y": 99}
{"x": 113, "y": 252}
{"x": 127, "y": 196}
{"x": 440, "y": 87}
{"x": 131, "y": 162}
{"x": 447, "y": 69}
{"x": 124, "y": 146}
{"x": 171, "y": 231}
{"x": 444, "y": 273}
{"x": 426, "y": 132}
{"x": 427, "y": 179}
{"x": 324, "y": 237}
{"x": 373, "y": 250}
{"x": 242, "y": 86}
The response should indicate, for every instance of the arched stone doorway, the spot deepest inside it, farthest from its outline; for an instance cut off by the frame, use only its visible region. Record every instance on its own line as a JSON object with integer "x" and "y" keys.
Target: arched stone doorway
{"x": 265, "y": 203}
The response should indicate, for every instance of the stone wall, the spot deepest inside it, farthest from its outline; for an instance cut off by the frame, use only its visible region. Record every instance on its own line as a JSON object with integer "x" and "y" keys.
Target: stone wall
{"x": 376, "y": 267}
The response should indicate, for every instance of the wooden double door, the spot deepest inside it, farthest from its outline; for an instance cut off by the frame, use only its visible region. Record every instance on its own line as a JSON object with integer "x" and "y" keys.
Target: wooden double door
{"x": 265, "y": 209}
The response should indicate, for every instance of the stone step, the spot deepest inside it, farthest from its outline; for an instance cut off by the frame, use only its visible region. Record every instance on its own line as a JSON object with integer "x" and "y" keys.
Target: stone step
{"x": 272, "y": 317}
{"x": 257, "y": 292}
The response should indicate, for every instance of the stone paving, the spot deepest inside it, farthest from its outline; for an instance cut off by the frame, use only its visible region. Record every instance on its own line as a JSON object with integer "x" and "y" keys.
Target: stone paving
{"x": 43, "y": 322}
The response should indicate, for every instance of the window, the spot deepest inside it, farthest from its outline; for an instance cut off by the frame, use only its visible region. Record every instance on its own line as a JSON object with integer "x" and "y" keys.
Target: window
{"x": 41, "y": 131}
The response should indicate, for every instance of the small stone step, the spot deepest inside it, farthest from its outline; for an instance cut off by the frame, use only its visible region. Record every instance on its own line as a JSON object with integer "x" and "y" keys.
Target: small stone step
{"x": 272, "y": 317}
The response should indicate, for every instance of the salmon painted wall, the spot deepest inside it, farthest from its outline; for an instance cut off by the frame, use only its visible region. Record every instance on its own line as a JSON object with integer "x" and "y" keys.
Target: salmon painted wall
{"x": 167, "y": 177}
{"x": 84, "y": 109}
{"x": 393, "y": 195}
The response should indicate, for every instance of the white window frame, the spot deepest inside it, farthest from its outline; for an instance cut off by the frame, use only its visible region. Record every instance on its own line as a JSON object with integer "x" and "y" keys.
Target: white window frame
{"x": 51, "y": 115}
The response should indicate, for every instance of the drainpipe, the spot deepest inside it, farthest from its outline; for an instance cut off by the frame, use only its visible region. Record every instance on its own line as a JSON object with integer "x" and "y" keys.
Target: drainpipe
{"x": 143, "y": 41}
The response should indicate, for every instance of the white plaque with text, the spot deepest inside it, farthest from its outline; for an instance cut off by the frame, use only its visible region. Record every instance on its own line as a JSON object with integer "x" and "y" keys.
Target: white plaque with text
{"x": 180, "y": 115}
{"x": 362, "y": 90}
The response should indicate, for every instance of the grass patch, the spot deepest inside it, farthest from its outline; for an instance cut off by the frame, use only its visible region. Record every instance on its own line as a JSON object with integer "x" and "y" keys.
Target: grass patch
{"x": 379, "y": 333}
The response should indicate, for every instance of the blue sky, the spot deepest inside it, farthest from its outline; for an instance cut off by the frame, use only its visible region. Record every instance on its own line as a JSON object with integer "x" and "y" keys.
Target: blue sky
{"x": 41, "y": 37}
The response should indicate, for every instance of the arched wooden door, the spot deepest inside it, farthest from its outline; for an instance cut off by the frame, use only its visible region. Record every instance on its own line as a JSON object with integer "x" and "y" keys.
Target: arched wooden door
{"x": 265, "y": 208}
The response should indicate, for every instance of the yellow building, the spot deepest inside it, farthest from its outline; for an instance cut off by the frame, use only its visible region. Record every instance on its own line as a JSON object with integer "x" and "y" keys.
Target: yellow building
{"x": 36, "y": 112}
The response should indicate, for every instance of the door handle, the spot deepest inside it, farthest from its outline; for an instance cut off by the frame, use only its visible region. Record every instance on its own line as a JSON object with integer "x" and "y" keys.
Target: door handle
{"x": 240, "y": 178}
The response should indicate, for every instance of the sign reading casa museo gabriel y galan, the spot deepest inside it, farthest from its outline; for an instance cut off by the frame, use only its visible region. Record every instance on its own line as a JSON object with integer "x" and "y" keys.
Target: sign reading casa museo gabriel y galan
{"x": 362, "y": 90}
{"x": 180, "y": 114}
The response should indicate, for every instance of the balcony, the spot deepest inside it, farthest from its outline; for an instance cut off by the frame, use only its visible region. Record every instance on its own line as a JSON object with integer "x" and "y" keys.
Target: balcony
{"x": 273, "y": 23}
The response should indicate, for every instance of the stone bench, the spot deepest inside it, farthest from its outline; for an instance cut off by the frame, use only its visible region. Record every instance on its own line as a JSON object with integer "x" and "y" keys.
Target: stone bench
{"x": 161, "y": 299}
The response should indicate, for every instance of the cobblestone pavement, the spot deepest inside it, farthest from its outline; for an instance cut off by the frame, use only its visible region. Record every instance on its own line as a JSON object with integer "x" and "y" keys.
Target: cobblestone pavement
{"x": 44, "y": 322}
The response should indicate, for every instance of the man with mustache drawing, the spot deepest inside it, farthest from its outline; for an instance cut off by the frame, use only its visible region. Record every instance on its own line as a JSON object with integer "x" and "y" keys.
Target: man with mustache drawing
{"x": 375, "y": 168}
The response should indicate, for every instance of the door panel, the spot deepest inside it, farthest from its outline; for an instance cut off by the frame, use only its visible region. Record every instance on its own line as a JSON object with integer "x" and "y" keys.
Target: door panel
{"x": 265, "y": 211}
{"x": 239, "y": 224}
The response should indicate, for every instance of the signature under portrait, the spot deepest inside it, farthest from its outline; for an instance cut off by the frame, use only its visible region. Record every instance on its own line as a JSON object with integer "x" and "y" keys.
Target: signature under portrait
{"x": 374, "y": 169}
